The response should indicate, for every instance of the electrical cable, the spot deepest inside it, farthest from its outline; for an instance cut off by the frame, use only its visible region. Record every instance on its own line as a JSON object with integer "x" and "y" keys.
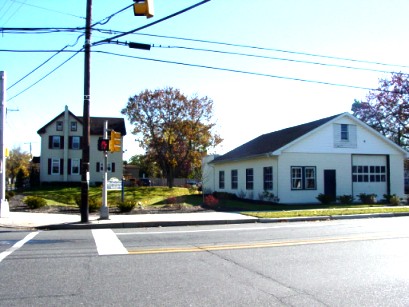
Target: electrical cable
{"x": 272, "y": 49}
{"x": 46, "y": 74}
{"x": 151, "y": 24}
{"x": 239, "y": 71}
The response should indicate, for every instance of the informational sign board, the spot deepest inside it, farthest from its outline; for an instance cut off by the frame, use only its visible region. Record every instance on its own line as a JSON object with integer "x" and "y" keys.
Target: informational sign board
{"x": 114, "y": 184}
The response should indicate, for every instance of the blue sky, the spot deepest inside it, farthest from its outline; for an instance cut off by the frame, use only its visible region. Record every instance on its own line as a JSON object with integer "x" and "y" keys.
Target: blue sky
{"x": 286, "y": 34}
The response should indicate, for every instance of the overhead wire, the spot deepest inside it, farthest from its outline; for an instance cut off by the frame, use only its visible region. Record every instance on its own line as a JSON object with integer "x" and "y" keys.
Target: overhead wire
{"x": 237, "y": 71}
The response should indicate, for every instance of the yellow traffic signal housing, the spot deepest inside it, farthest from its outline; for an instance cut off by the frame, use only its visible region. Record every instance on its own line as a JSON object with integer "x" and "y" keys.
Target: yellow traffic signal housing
{"x": 143, "y": 8}
{"x": 115, "y": 141}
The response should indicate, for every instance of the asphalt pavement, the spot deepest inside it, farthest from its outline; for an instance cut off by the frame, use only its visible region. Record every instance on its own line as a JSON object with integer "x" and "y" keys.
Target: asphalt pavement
{"x": 29, "y": 220}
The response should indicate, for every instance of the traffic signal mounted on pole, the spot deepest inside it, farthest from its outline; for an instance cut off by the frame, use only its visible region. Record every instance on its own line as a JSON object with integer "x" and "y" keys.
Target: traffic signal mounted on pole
{"x": 103, "y": 144}
{"x": 143, "y": 8}
{"x": 115, "y": 141}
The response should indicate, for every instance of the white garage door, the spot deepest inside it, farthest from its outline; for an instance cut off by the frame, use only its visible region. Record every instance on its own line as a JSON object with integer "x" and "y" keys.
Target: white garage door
{"x": 369, "y": 175}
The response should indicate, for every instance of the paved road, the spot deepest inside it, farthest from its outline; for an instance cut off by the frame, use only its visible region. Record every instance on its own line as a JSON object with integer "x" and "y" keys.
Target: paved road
{"x": 337, "y": 263}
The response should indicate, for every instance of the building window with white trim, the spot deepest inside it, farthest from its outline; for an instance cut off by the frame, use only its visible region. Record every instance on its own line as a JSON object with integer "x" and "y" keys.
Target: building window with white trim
{"x": 73, "y": 126}
{"x": 75, "y": 166}
{"x": 268, "y": 178}
{"x": 303, "y": 178}
{"x": 59, "y": 126}
{"x": 55, "y": 166}
{"x": 221, "y": 179}
{"x": 249, "y": 179}
{"x": 75, "y": 142}
{"x": 234, "y": 179}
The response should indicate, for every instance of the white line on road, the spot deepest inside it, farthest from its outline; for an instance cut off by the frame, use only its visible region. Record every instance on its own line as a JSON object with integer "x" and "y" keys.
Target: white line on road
{"x": 18, "y": 245}
{"x": 108, "y": 243}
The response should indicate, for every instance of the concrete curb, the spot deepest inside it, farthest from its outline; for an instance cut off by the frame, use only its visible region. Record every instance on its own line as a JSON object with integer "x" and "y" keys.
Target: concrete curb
{"x": 107, "y": 224}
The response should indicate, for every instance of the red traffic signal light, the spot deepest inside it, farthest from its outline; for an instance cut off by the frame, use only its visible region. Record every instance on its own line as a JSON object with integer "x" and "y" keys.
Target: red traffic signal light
{"x": 103, "y": 144}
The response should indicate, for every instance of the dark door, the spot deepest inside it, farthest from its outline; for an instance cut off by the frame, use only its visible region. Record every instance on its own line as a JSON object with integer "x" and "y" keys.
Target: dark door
{"x": 330, "y": 183}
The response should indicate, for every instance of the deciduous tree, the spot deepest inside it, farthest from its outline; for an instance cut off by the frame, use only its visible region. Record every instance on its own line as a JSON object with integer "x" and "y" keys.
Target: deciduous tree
{"x": 386, "y": 109}
{"x": 175, "y": 130}
{"x": 18, "y": 163}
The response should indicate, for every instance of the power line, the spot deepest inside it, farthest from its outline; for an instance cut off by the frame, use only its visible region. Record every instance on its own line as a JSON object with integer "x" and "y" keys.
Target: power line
{"x": 270, "y": 58}
{"x": 239, "y": 71}
{"x": 46, "y": 75}
{"x": 151, "y": 24}
{"x": 47, "y": 9}
{"x": 272, "y": 49}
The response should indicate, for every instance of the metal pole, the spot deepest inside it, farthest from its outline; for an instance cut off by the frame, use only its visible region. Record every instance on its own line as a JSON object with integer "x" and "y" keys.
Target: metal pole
{"x": 104, "y": 211}
{"x": 86, "y": 118}
{"x": 4, "y": 205}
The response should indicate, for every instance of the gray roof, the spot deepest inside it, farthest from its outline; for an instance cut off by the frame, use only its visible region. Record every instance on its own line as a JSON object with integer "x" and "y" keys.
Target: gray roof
{"x": 270, "y": 142}
{"x": 96, "y": 124}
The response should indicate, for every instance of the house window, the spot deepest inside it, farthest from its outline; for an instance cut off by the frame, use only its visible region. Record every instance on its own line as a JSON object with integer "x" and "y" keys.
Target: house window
{"x": 221, "y": 179}
{"x": 75, "y": 142}
{"x": 100, "y": 167}
{"x": 303, "y": 178}
{"x": 73, "y": 126}
{"x": 234, "y": 179}
{"x": 268, "y": 178}
{"x": 365, "y": 173}
{"x": 344, "y": 132}
{"x": 59, "y": 125}
{"x": 55, "y": 167}
{"x": 249, "y": 179}
{"x": 56, "y": 142}
{"x": 75, "y": 166}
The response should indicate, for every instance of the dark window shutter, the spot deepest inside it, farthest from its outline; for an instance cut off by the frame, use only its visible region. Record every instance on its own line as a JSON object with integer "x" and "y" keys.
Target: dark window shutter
{"x": 80, "y": 166}
{"x": 61, "y": 166}
{"x": 113, "y": 167}
{"x": 61, "y": 142}
{"x": 50, "y": 141}
{"x": 97, "y": 167}
{"x": 70, "y": 142}
{"x": 49, "y": 166}
{"x": 69, "y": 167}
{"x": 81, "y": 142}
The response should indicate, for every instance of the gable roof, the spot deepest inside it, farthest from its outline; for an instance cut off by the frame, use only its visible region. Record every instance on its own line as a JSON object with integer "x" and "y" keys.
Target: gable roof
{"x": 270, "y": 142}
{"x": 96, "y": 124}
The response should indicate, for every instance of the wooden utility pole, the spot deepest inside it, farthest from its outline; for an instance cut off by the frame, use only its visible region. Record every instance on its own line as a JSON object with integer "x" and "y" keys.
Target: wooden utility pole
{"x": 86, "y": 118}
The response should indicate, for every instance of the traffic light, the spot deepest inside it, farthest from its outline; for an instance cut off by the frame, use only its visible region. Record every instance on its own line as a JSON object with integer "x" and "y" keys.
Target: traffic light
{"x": 143, "y": 8}
{"x": 103, "y": 144}
{"x": 115, "y": 141}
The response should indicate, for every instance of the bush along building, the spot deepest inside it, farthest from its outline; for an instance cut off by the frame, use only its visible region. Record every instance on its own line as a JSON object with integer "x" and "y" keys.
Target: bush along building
{"x": 61, "y": 149}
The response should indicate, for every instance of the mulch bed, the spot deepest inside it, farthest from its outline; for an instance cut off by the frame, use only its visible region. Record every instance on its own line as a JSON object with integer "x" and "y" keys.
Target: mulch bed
{"x": 16, "y": 204}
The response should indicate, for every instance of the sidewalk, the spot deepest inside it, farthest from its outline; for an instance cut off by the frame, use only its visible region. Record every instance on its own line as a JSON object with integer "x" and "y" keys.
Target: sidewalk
{"x": 29, "y": 220}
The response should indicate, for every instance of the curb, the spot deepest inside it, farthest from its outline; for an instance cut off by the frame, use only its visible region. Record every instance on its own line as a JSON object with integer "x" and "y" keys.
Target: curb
{"x": 214, "y": 222}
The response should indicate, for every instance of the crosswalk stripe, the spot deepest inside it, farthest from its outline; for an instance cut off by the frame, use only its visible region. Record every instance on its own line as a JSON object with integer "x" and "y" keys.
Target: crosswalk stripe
{"x": 108, "y": 243}
{"x": 18, "y": 245}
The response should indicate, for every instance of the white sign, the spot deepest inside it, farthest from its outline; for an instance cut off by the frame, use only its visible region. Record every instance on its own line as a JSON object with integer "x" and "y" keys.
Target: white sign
{"x": 114, "y": 184}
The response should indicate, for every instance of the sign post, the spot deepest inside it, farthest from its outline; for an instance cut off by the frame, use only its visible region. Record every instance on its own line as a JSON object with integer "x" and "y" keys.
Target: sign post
{"x": 104, "y": 211}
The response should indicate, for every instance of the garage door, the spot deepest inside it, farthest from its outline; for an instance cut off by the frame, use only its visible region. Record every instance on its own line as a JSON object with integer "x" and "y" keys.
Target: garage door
{"x": 369, "y": 175}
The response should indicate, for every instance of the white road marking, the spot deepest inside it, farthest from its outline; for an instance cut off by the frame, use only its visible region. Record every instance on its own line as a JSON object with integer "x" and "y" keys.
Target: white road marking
{"x": 108, "y": 243}
{"x": 18, "y": 245}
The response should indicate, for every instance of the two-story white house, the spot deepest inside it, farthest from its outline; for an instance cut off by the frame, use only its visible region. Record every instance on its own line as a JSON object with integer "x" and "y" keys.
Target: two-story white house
{"x": 337, "y": 155}
{"x": 61, "y": 149}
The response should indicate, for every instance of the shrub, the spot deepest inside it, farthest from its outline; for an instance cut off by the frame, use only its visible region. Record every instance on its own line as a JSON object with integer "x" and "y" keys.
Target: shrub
{"x": 94, "y": 203}
{"x": 211, "y": 201}
{"x": 268, "y": 196}
{"x": 367, "y": 198}
{"x": 325, "y": 199}
{"x": 224, "y": 195}
{"x": 346, "y": 199}
{"x": 126, "y": 206}
{"x": 35, "y": 202}
{"x": 392, "y": 199}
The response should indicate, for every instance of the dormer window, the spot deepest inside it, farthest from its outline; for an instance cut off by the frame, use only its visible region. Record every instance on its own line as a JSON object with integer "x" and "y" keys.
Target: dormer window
{"x": 345, "y": 136}
{"x": 344, "y": 132}
{"x": 59, "y": 126}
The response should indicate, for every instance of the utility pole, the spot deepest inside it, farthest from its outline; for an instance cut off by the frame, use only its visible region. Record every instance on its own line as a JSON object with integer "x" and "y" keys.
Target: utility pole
{"x": 86, "y": 118}
{"x": 4, "y": 205}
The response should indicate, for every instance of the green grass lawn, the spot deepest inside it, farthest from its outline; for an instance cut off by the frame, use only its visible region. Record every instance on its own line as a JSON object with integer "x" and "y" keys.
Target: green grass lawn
{"x": 157, "y": 197}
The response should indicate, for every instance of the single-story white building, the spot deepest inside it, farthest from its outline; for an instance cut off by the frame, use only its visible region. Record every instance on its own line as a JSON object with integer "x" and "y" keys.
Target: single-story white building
{"x": 337, "y": 155}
